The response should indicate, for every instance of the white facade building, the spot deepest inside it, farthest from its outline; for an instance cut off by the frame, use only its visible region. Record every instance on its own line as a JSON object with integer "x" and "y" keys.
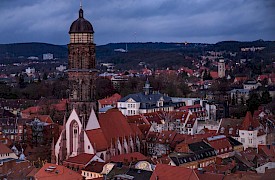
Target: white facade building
{"x": 251, "y": 133}
{"x": 30, "y": 71}
{"x": 145, "y": 102}
{"x": 48, "y": 56}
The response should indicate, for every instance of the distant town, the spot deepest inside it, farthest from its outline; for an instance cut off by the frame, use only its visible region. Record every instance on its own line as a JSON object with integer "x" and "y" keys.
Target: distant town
{"x": 137, "y": 110}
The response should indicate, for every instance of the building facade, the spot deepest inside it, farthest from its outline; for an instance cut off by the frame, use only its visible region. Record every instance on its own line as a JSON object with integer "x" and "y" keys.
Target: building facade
{"x": 145, "y": 102}
{"x": 221, "y": 68}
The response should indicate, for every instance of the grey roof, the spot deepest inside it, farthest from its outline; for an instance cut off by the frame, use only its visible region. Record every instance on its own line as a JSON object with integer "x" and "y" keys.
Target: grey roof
{"x": 240, "y": 90}
{"x": 142, "y": 98}
{"x": 105, "y": 109}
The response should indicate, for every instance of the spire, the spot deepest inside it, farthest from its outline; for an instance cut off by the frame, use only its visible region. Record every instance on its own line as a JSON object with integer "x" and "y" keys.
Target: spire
{"x": 81, "y": 12}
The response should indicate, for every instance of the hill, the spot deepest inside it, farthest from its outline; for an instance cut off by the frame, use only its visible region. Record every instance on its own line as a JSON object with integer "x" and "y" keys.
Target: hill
{"x": 24, "y": 50}
{"x": 156, "y": 55}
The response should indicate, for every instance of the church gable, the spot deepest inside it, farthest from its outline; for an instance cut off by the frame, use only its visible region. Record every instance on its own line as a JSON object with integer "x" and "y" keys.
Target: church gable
{"x": 92, "y": 122}
{"x": 73, "y": 117}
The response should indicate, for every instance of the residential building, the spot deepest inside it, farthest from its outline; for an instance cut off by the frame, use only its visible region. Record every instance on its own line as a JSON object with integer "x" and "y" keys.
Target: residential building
{"x": 6, "y": 154}
{"x": 81, "y": 161}
{"x": 221, "y": 145}
{"x": 248, "y": 131}
{"x": 193, "y": 155}
{"x": 109, "y": 101}
{"x": 145, "y": 102}
{"x": 251, "y": 84}
{"x": 48, "y": 56}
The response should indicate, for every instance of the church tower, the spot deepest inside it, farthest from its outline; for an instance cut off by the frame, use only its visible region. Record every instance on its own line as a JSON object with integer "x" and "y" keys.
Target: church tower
{"x": 81, "y": 68}
{"x": 221, "y": 68}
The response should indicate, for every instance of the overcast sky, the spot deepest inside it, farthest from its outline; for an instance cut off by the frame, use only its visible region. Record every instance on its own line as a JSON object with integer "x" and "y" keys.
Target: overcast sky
{"x": 207, "y": 21}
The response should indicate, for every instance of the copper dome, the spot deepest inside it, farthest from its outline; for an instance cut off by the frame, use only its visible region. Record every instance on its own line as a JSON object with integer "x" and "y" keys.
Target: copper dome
{"x": 81, "y": 25}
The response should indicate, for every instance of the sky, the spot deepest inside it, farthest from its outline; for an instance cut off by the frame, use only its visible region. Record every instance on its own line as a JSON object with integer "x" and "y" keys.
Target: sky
{"x": 200, "y": 21}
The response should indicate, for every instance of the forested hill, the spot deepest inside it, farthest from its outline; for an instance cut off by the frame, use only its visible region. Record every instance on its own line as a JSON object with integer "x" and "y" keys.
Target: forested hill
{"x": 31, "y": 49}
{"x": 162, "y": 54}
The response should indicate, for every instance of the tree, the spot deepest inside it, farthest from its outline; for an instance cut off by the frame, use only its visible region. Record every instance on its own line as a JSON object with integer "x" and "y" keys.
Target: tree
{"x": 104, "y": 88}
{"x": 253, "y": 102}
{"x": 233, "y": 101}
{"x": 266, "y": 98}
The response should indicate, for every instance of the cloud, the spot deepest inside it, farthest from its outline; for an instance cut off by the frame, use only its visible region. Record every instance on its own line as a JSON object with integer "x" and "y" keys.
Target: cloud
{"x": 139, "y": 20}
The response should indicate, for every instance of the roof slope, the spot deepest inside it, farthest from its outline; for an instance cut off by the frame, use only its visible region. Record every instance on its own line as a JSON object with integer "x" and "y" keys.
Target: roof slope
{"x": 166, "y": 172}
{"x": 59, "y": 172}
{"x": 114, "y": 125}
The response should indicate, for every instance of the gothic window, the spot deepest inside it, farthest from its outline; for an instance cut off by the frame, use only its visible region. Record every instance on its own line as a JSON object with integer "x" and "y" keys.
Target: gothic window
{"x": 102, "y": 156}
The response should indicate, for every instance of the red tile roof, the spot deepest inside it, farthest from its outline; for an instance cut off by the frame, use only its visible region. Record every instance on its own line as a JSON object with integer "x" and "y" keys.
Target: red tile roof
{"x": 31, "y": 110}
{"x": 267, "y": 150}
{"x": 95, "y": 166}
{"x": 4, "y": 149}
{"x": 114, "y": 125}
{"x": 144, "y": 128}
{"x": 220, "y": 143}
{"x": 82, "y": 159}
{"x": 43, "y": 118}
{"x": 166, "y": 137}
{"x": 59, "y": 172}
{"x": 98, "y": 139}
{"x": 135, "y": 156}
{"x": 166, "y": 172}
{"x": 110, "y": 100}
{"x": 153, "y": 117}
{"x": 208, "y": 176}
{"x": 214, "y": 74}
{"x": 137, "y": 119}
{"x": 249, "y": 123}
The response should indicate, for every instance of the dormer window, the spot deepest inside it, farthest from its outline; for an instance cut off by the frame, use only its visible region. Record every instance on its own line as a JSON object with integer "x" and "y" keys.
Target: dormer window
{"x": 222, "y": 130}
{"x": 230, "y": 130}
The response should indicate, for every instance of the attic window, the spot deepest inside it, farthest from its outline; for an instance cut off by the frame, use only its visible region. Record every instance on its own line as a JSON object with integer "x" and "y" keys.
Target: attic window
{"x": 230, "y": 130}
{"x": 222, "y": 130}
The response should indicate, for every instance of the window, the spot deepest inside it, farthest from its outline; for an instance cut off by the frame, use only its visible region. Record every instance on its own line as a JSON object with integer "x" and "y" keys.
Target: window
{"x": 222, "y": 130}
{"x": 250, "y": 141}
{"x": 242, "y": 140}
{"x": 88, "y": 147}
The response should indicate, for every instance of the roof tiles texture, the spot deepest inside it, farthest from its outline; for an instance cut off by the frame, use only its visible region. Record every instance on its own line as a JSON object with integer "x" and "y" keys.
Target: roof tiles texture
{"x": 166, "y": 172}
{"x": 83, "y": 158}
{"x": 59, "y": 172}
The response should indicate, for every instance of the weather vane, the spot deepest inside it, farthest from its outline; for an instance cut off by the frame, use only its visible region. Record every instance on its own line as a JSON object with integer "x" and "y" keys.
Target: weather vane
{"x": 81, "y": 4}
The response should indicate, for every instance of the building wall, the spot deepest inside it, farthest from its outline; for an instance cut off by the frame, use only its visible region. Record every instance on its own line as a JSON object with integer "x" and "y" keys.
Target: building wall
{"x": 250, "y": 138}
{"x": 90, "y": 175}
{"x": 262, "y": 169}
{"x": 8, "y": 155}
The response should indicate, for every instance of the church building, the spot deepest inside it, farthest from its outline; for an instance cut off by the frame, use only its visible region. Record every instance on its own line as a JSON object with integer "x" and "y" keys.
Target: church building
{"x": 104, "y": 135}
